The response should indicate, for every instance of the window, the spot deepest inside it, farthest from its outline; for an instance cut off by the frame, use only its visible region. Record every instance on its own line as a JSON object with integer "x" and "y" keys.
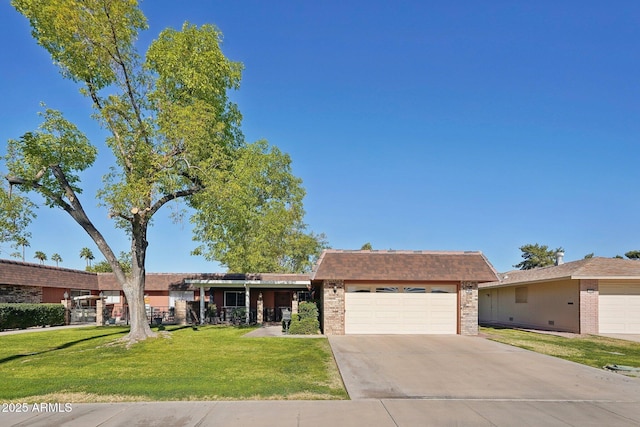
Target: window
{"x": 304, "y": 296}
{"x": 388, "y": 290}
{"x": 358, "y": 288}
{"x": 112, "y": 297}
{"x": 521, "y": 295}
{"x": 415, "y": 290}
{"x": 234, "y": 299}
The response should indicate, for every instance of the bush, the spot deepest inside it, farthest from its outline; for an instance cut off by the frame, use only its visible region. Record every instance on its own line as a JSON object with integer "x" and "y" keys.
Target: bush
{"x": 22, "y": 316}
{"x": 306, "y": 321}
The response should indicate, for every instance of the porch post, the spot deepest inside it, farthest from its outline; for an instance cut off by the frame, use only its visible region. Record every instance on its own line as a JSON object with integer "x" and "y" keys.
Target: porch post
{"x": 294, "y": 303}
{"x": 202, "y": 305}
{"x": 260, "y": 310}
{"x": 247, "y": 301}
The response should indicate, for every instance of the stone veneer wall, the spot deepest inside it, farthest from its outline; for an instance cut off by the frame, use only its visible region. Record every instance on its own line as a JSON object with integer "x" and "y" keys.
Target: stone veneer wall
{"x": 333, "y": 307}
{"x": 468, "y": 308}
{"x": 589, "y": 295}
{"x": 20, "y": 294}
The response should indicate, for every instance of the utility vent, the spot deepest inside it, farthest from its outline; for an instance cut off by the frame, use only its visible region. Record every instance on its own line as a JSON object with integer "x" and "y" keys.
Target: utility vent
{"x": 551, "y": 322}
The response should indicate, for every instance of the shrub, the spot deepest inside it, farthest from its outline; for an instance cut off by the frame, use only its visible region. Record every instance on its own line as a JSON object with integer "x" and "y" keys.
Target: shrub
{"x": 22, "y": 316}
{"x": 306, "y": 321}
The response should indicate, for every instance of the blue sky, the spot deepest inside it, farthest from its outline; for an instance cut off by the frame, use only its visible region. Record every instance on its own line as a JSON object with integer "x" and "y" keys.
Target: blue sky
{"x": 448, "y": 125}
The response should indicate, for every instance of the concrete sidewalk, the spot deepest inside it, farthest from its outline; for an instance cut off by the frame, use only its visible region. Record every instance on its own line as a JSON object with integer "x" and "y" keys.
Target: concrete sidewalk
{"x": 370, "y": 413}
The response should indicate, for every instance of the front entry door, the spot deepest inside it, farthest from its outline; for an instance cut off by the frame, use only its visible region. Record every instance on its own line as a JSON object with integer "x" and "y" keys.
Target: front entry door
{"x": 282, "y": 300}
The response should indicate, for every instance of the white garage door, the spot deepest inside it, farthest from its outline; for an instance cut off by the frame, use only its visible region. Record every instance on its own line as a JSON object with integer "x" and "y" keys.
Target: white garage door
{"x": 619, "y": 308}
{"x": 397, "y": 310}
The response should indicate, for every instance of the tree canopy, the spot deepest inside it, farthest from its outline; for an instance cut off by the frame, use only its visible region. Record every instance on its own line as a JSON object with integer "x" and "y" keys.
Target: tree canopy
{"x": 536, "y": 255}
{"x": 175, "y": 136}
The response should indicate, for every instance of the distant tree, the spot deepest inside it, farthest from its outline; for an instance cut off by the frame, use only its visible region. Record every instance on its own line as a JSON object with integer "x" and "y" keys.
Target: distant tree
{"x": 21, "y": 242}
{"x": 87, "y": 255}
{"x": 366, "y": 247}
{"x": 39, "y": 255}
{"x": 635, "y": 255}
{"x": 104, "y": 266}
{"x": 16, "y": 255}
{"x": 56, "y": 258}
{"x": 536, "y": 255}
{"x": 618, "y": 257}
{"x": 587, "y": 256}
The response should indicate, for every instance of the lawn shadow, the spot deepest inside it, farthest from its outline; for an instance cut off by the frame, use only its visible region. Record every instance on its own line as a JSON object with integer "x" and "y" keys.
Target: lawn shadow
{"x": 60, "y": 347}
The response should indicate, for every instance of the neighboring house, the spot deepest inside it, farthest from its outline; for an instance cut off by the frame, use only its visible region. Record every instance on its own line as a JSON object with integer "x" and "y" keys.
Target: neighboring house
{"x": 400, "y": 292}
{"x": 360, "y": 292}
{"x": 589, "y": 296}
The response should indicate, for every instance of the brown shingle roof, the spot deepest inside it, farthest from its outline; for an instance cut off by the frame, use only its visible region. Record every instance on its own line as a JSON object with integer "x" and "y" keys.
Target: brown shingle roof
{"x": 404, "y": 266}
{"x": 176, "y": 281}
{"x": 589, "y": 268}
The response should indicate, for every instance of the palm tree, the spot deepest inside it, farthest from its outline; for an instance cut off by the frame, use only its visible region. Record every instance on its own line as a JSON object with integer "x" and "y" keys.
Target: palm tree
{"x": 22, "y": 242}
{"x": 57, "y": 258}
{"x": 87, "y": 255}
{"x": 41, "y": 256}
{"x": 16, "y": 255}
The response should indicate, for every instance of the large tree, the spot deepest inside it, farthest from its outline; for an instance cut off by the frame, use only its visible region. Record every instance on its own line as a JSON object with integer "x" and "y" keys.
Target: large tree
{"x": 536, "y": 255}
{"x": 174, "y": 134}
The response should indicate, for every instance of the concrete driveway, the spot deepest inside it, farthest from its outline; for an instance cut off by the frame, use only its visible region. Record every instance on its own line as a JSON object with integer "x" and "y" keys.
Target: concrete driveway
{"x": 451, "y": 367}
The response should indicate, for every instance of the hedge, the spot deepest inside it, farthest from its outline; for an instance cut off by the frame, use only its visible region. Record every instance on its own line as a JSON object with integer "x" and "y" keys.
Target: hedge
{"x": 305, "y": 322}
{"x": 22, "y": 316}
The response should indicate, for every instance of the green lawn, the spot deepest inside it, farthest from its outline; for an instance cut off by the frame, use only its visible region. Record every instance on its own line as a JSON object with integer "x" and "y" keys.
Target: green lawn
{"x": 211, "y": 363}
{"x": 589, "y": 350}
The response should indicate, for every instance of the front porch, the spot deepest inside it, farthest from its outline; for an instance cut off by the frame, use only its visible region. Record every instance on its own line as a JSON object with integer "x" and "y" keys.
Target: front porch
{"x": 250, "y": 299}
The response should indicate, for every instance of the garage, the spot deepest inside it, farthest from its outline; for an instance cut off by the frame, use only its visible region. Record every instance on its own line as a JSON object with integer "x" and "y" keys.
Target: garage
{"x": 413, "y": 309}
{"x": 619, "y": 308}
{"x": 400, "y": 292}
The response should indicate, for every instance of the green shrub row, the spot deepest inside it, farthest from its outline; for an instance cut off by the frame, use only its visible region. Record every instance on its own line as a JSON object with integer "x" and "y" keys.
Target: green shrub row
{"x": 305, "y": 322}
{"x": 21, "y": 316}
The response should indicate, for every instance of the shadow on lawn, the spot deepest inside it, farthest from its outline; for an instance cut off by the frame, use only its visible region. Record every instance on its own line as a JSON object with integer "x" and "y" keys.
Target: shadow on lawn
{"x": 60, "y": 347}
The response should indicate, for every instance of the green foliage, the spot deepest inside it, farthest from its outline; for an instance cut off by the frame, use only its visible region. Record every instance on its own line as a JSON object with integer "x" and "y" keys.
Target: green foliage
{"x": 591, "y": 350}
{"x": 305, "y": 322}
{"x": 536, "y": 256}
{"x": 230, "y": 367}
{"x": 589, "y": 255}
{"x": 56, "y": 258}
{"x": 41, "y": 256}
{"x": 366, "y": 247}
{"x": 633, "y": 254}
{"x": 105, "y": 267}
{"x": 254, "y": 222}
{"x": 22, "y": 316}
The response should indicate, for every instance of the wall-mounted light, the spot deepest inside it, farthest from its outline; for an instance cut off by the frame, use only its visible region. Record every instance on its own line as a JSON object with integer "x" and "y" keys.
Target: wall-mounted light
{"x": 101, "y": 294}
{"x": 335, "y": 289}
{"x": 66, "y": 295}
{"x": 590, "y": 291}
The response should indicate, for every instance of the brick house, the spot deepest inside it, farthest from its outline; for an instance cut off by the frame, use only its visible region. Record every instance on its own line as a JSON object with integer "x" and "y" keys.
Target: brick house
{"x": 389, "y": 292}
{"x": 589, "y": 296}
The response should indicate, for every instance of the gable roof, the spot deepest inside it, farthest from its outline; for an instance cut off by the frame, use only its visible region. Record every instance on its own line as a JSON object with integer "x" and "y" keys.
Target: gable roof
{"x": 404, "y": 266}
{"x": 589, "y": 268}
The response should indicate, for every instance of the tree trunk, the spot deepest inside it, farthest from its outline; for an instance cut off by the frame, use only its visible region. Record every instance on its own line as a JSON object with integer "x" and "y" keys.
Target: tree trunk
{"x": 134, "y": 292}
{"x": 133, "y": 287}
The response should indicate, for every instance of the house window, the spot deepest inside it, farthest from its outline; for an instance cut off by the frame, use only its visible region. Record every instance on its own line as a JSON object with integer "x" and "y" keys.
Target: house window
{"x": 234, "y": 299}
{"x": 388, "y": 290}
{"x": 112, "y": 297}
{"x": 415, "y": 290}
{"x": 304, "y": 296}
{"x": 358, "y": 288}
{"x": 521, "y": 295}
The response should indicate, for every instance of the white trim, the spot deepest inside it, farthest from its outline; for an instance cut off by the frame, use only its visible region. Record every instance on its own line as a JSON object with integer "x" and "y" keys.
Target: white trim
{"x": 242, "y": 283}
